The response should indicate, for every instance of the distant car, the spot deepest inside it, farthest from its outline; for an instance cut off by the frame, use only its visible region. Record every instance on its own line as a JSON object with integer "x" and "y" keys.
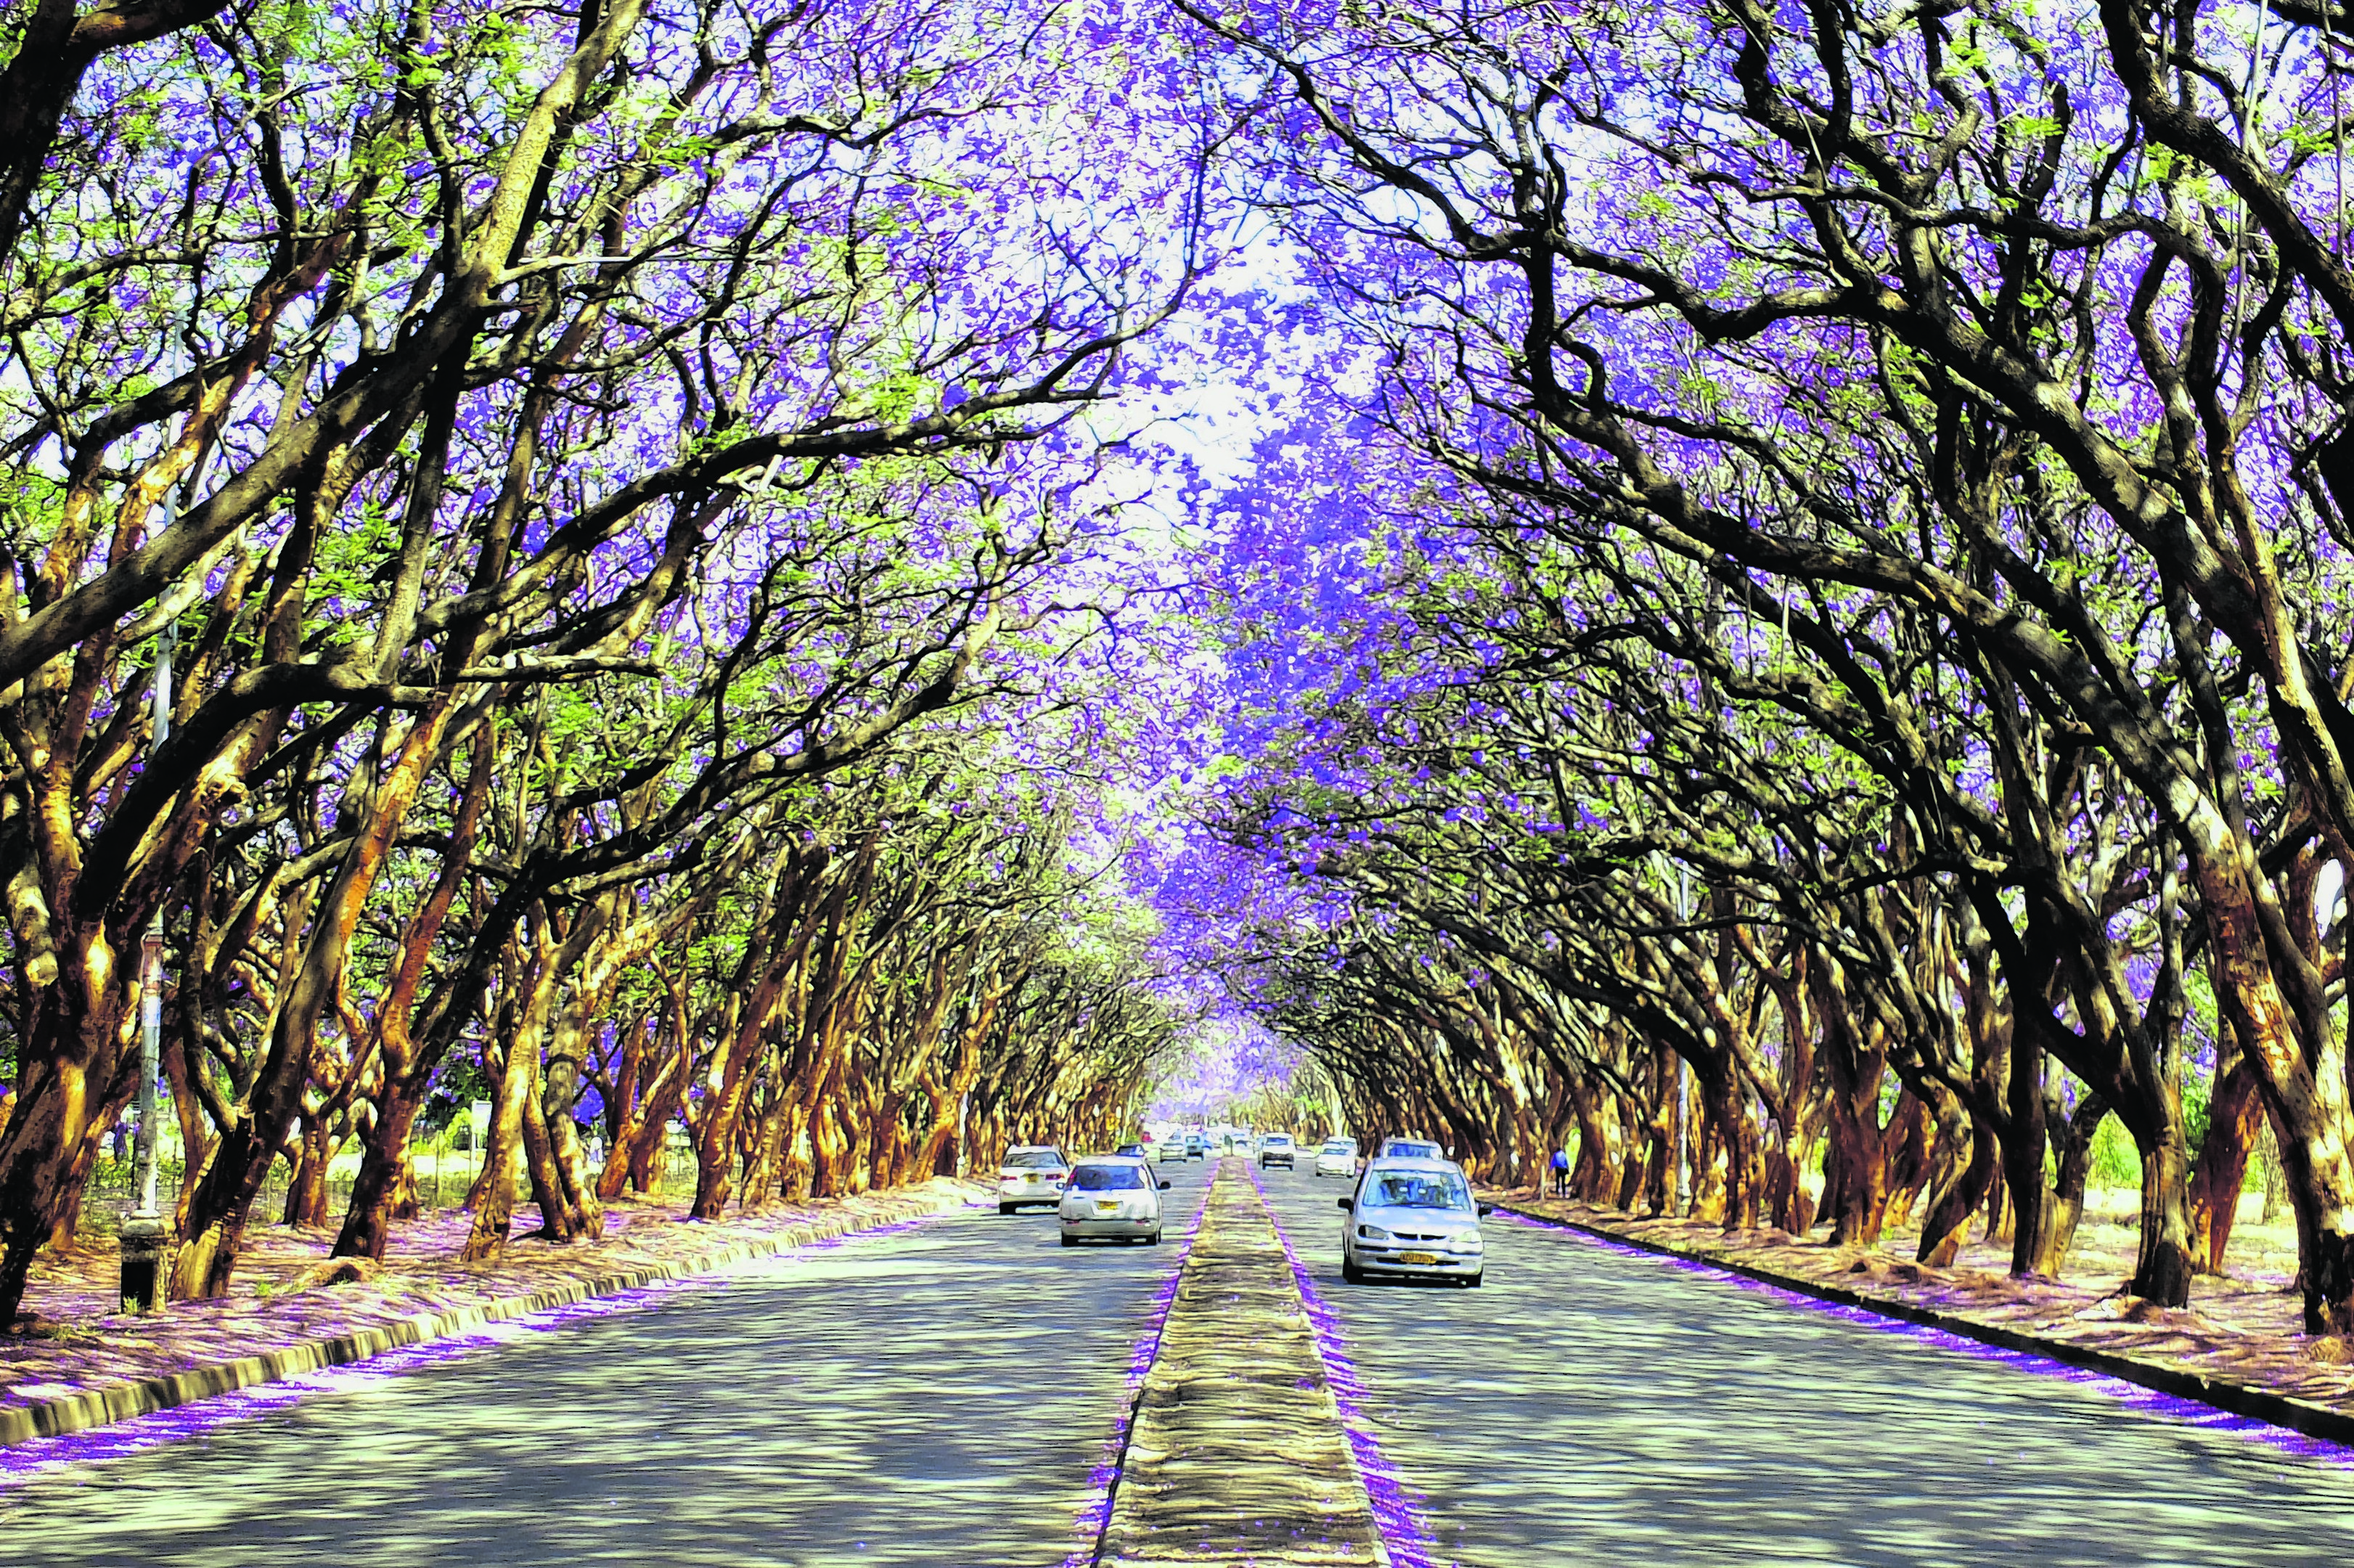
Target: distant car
{"x": 1131, "y": 1151}
{"x": 1170, "y": 1149}
{"x": 1276, "y": 1149}
{"x": 1414, "y": 1218}
{"x": 1111, "y": 1199}
{"x": 1337, "y": 1158}
{"x": 1410, "y": 1149}
{"x": 1031, "y": 1175}
{"x": 1193, "y": 1146}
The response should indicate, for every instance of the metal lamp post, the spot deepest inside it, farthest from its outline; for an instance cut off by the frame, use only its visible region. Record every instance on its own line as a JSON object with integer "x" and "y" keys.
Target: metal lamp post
{"x": 142, "y": 1229}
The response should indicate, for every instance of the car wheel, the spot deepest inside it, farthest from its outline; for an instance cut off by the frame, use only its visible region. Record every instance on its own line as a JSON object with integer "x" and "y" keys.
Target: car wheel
{"x": 1471, "y": 1282}
{"x": 1152, "y": 1240}
{"x": 1004, "y": 1208}
{"x": 1069, "y": 1240}
{"x": 1350, "y": 1272}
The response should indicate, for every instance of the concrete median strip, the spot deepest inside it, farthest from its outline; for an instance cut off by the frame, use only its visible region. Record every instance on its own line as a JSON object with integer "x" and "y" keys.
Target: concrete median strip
{"x": 124, "y": 1400}
{"x": 1236, "y": 1454}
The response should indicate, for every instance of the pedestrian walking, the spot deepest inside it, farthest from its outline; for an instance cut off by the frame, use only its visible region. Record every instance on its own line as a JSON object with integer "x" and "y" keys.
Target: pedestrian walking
{"x": 1560, "y": 1172}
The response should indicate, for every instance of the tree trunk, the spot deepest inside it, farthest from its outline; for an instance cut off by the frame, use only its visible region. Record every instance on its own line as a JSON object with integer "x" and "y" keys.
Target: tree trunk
{"x": 1947, "y": 1229}
{"x": 494, "y": 1189}
{"x": 2022, "y": 1153}
{"x": 385, "y": 1158}
{"x": 1905, "y": 1142}
{"x": 306, "y": 1190}
{"x": 2235, "y": 1117}
{"x": 68, "y": 1058}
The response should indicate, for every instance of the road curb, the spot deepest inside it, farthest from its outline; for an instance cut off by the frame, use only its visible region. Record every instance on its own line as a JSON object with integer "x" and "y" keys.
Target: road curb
{"x": 111, "y": 1403}
{"x": 2301, "y": 1416}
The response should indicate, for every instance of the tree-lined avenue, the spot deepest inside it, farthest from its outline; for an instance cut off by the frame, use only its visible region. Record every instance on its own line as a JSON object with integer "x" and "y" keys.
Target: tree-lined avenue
{"x": 945, "y": 1394}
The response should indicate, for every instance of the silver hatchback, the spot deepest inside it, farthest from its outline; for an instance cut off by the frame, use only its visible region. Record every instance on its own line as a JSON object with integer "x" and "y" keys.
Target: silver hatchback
{"x": 1414, "y": 1218}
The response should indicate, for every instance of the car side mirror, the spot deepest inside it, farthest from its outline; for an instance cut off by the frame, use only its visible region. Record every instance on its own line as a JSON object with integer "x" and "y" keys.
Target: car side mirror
{"x": 1350, "y": 1204}
{"x": 1487, "y": 1209}
{"x": 1164, "y": 1183}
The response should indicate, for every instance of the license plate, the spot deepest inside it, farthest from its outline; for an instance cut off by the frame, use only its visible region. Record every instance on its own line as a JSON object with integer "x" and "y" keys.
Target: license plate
{"x": 1417, "y": 1257}
{"x": 1107, "y": 1206}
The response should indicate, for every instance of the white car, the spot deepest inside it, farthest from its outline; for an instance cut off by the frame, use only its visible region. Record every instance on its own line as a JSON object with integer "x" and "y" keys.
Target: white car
{"x": 1170, "y": 1149}
{"x": 1277, "y": 1148}
{"x": 1337, "y": 1158}
{"x": 1111, "y": 1199}
{"x": 1414, "y": 1218}
{"x": 1032, "y": 1175}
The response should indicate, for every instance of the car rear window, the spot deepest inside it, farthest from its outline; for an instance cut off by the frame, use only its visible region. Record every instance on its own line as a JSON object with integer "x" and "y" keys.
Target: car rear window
{"x": 1279, "y": 1140}
{"x": 1033, "y": 1159}
{"x": 1107, "y": 1177}
{"x": 1420, "y": 1189}
{"x": 1340, "y": 1146}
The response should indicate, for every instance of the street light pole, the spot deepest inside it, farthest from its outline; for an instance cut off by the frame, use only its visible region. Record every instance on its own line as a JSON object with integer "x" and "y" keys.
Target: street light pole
{"x": 142, "y": 1229}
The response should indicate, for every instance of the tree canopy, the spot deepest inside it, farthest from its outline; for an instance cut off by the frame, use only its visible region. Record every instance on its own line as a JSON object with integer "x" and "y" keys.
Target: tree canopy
{"x": 1780, "y": 611}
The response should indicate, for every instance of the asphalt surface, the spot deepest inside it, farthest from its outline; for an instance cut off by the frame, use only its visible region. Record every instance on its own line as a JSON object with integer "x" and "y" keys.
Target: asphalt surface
{"x": 1588, "y": 1406}
{"x": 942, "y": 1395}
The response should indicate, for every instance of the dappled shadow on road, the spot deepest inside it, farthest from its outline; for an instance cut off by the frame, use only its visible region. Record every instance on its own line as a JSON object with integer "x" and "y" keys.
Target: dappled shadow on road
{"x": 936, "y": 1397}
{"x": 1587, "y": 1406}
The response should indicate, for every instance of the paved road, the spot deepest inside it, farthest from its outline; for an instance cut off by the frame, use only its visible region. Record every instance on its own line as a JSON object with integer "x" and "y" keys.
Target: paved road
{"x": 1585, "y": 1406}
{"x": 939, "y": 1396}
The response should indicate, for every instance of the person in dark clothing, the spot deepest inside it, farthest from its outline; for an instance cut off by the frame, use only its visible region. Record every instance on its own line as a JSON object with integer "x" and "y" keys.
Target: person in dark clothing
{"x": 1560, "y": 1172}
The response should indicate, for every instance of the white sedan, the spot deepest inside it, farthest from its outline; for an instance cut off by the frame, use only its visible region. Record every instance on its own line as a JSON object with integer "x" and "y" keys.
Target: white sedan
{"x": 1414, "y": 1218}
{"x": 1337, "y": 1158}
{"x": 1032, "y": 1174}
{"x": 1111, "y": 1199}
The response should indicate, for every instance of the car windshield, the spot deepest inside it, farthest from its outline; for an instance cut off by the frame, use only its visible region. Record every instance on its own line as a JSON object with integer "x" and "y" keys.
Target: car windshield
{"x": 1420, "y": 1189}
{"x": 1340, "y": 1146}
{"x": 1107, "y": 1177}
{"x": 1033, "y": 1159}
